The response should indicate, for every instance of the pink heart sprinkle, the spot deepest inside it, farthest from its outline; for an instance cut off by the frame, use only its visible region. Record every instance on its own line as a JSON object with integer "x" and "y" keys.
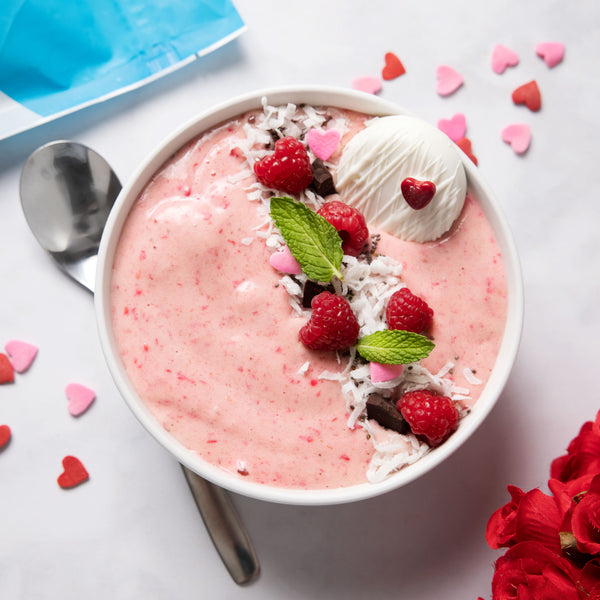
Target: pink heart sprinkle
{"x": 551, "y": 52}
{"x": 283, "y": 260}
{"x": 370, "y": 85}
{"x": 80, "y": 398}
{"x": 449, "y": 80}
{"x": 518, "y": 136}
{"x": 323, "y": 143}
{"x": 455, "y": 127}
{"x": 381, "y": 373}
{"x": 503, "y": 57}
{"x": 21, "y": 354}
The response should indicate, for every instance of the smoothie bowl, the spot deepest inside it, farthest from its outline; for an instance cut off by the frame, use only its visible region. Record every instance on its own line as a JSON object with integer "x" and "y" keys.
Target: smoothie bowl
{"x": 309, "y": 296}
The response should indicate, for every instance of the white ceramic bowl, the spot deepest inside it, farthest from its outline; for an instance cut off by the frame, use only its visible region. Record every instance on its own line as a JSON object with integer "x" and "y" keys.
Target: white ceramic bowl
{"x": 315, "y": 95}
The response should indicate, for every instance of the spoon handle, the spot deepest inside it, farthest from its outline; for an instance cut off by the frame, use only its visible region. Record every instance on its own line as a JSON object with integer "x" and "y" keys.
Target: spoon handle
{"x": 225, "y": 528}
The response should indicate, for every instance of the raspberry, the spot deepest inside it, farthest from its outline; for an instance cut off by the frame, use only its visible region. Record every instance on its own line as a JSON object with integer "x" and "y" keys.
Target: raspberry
{"x": 430, "y": 415}
{"x": 350, "y": 224}
{"x": 408, "y": 312}
{"x": 288, "y": 169}
{"x": 332, "y": 324}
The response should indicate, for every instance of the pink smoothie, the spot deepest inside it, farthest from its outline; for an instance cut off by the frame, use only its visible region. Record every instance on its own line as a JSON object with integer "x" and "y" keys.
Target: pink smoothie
{"x": 206, "y": 333}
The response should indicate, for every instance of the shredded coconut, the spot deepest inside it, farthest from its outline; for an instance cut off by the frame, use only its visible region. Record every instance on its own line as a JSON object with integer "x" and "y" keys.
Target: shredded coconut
{"x": 368, "y": 282}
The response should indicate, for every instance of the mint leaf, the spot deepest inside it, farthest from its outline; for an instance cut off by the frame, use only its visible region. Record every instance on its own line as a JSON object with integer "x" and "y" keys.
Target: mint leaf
{"x": 313, "y": 241}
{"x": 394, "y": 347}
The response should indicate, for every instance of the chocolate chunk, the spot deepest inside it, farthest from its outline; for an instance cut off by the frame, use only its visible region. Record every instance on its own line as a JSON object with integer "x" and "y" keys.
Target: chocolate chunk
{"x": 384, "y": 411}
{"x": 312, "y": 289}
{"x": 322, "y": 179}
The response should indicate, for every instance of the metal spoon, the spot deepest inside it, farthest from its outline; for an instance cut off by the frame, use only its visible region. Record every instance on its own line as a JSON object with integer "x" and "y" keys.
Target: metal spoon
{"x": 67, "y": 191}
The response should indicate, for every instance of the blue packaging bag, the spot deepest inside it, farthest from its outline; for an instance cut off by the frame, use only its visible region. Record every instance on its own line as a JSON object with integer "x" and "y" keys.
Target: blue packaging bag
{"x": 59, "y": 55}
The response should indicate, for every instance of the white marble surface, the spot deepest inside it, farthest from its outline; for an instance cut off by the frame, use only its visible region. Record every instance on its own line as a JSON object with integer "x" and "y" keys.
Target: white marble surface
{"x": 132, "y": 531}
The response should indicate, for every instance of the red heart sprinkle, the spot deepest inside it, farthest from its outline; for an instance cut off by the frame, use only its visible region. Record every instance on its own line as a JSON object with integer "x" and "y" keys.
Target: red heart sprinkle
{"x": 393, "y": 67}
{"x": 465, "y": 145}
{"x": 529, "y": 95}
{"x": 7, "y": 373}
{"x": 74, "y": 473}
{"x": 4, "y": 435}
{"x": 418, "y": 194}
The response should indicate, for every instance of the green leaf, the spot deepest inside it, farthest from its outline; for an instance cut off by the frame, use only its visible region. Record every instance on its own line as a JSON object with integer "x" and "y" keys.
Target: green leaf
{"x": 313, "y": 241}
{"x": 394, "y": 347}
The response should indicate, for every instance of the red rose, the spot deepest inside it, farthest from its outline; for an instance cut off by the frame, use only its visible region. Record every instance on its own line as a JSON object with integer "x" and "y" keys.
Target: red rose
{"x": 530, "y": 571}
{"x": 530, "y": 516}
{"x": 590, "y": 579}
{"x": 585, "y": 520}
{"x": 583, "y": 454}
{"x": 502, "y": 526}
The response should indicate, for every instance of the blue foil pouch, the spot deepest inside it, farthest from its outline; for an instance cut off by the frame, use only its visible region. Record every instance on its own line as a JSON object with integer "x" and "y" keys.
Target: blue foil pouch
{"x": 57, "y": 56}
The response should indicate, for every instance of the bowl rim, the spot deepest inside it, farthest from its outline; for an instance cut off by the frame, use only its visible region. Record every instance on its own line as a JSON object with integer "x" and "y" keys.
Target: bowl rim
{"x": 326, "y": 96}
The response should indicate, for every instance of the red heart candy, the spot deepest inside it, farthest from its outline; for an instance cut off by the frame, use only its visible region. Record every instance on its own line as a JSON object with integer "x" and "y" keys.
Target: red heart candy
{"x": 4, "y": 435}
{"x": 418, "y": 194}
{"x": 7, "y": 373}
{"x": 393, "y": 67}
{"x": 465, "y": 145}
{"x": 74, "y": 473}
{"x": 529, "y": 95}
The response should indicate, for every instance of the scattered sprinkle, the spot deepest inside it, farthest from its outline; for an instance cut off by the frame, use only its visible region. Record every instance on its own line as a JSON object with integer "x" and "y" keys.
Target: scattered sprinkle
{"x": 5, "y": 435}
{"x": 21, "y": 354}
{"x": 323, "y": 143}
{"x": 381, "y": 373}
{"x": 284, "y": 262}
{"x": 393, "y": 67}
{"x": 551, "y": 52}
{"x": 80, "y": 398}
{"x": 503, "y": 57}
{"x": 465, "y": 145}
{"x": 7, "y": 372}
{"x": 455, "y": 127}
{"x": 449, "y": 80}
{"x": 529, "y": 95}
{"x": 518, "y": 135}
{"x": 74, "y": 473}
{"x": 368, "y": 84}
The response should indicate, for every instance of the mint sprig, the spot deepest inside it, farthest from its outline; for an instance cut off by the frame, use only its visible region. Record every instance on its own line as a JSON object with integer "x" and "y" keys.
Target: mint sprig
{"x": 394, "y": 347}
{"x": 313, "y": 241}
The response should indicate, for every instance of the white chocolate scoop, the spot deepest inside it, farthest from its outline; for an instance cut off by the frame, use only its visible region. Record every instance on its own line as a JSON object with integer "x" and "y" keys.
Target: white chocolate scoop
{"x": 376, "y": 161}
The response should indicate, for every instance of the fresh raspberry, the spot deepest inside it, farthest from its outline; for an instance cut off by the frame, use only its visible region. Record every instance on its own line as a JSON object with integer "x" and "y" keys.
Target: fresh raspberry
{"x": 288, "y": 169}
{"x": 332, "y": 324}
{"x": 408, "y": 312}
{"x": 430, "y": 415}
{"x": 350, "y": 224}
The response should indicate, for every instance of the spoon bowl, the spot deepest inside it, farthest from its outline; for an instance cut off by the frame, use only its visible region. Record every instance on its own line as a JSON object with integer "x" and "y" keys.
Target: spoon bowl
{"x": 67, "y": 192}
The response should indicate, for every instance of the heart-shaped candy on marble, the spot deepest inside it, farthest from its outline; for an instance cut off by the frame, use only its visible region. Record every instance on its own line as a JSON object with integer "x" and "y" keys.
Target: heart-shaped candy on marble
{"x": 5, "y": 435}
{"x": 518, "y": 135}
{"x": 283, "y": 261}
{"x": 7, "y": 371}
{"x": 393, "y": 67}
{"x": 368, "y": 84}
{"x": 503, "y": 57}
{"x": 455, "y": 127}
{"x": 74, "y": 473}
{"x": 21, "y": 354}
{"x": 323, "y": 143}
{"x": 465, "y": 145}
{"x": 529, "y": 95}
{"x": 80, "y": 397}
{"x": 449, "y": 80}
{"x": 551, "y": 52}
